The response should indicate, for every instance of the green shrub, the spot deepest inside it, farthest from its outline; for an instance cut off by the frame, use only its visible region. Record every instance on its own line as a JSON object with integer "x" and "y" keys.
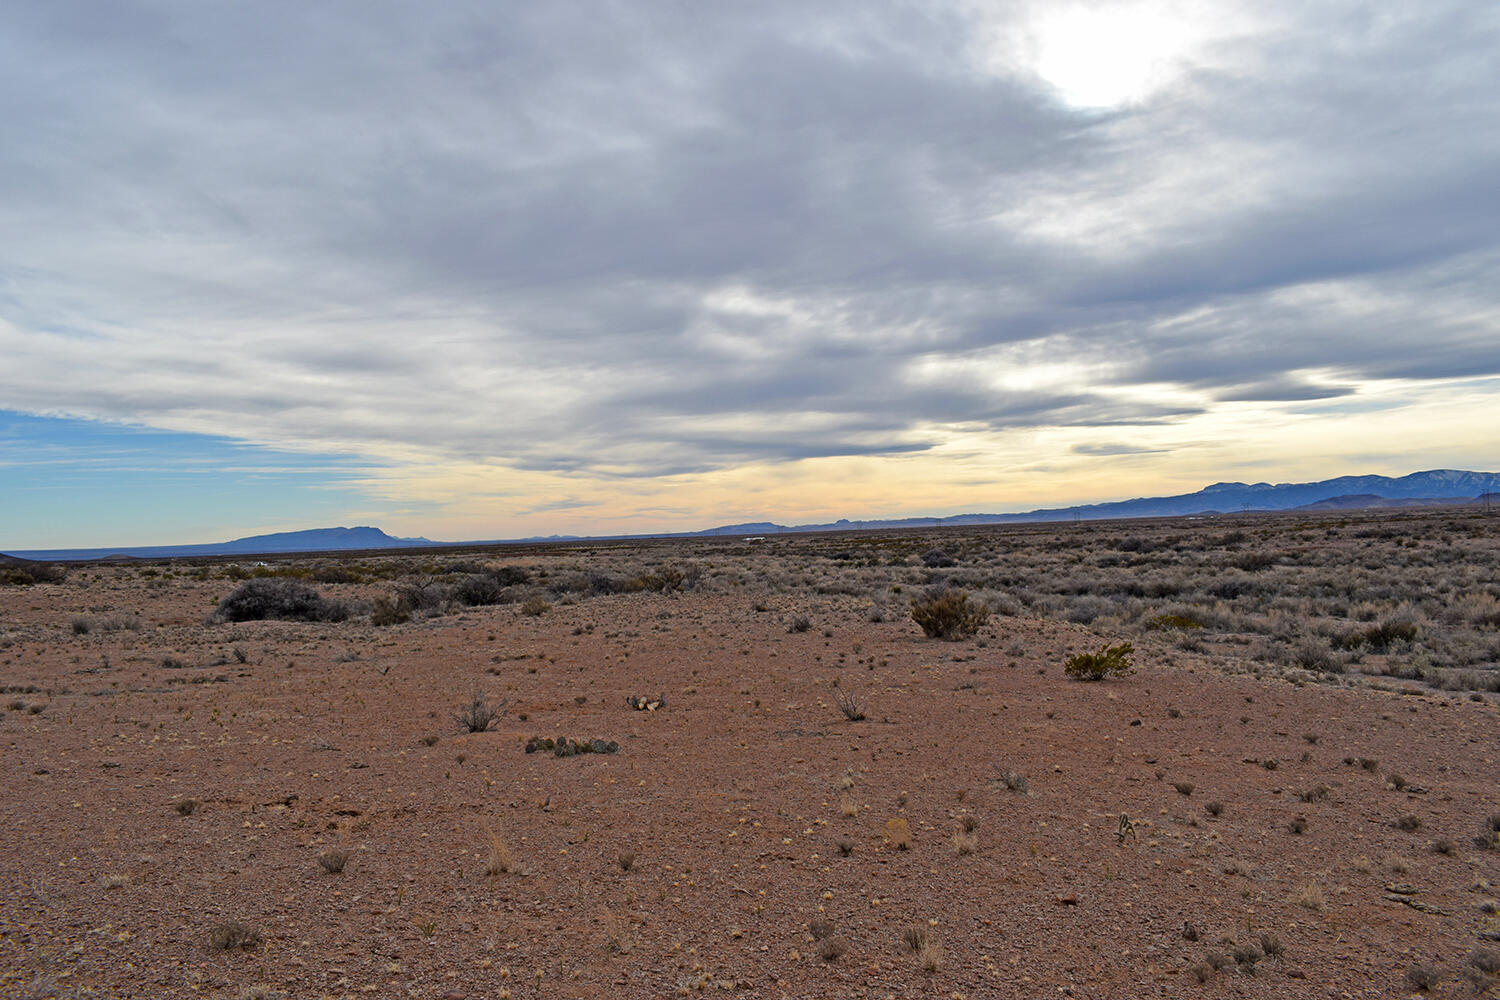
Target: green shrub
{"x": 1110, "y": 661}
{"x": 949, "y": 614}
{"x": 1173, "y": 621}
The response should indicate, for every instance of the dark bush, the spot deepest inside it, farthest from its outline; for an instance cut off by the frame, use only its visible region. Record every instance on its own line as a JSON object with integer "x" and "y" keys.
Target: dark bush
{"x": 510, "y": 576}
{"x": 281, "y": 599}
{"x": 23, "y": 572}
{"x": 949, "y": 614}
{"x": 937, "y": 559}
{"x": 1254, "y": 562}
{"x": 423, "y": 594}
{"x": 479, "y": 589}
{"x": 1230, "y": 589}
{"x": 478, "y": 716}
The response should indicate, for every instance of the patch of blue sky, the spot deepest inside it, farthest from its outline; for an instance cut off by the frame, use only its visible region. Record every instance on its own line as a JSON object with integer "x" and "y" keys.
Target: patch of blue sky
{"x": 67, "y": 482}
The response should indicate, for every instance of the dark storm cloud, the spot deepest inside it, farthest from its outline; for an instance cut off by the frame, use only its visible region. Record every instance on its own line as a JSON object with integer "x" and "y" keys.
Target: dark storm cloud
{"x": 656, "y": 238}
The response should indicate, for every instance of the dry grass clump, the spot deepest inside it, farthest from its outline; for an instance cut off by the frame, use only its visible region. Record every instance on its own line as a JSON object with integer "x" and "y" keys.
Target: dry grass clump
{"x": 500, "y": 859}
{"x": 1214, "y": 807}
{"x": 919, "y": 940}
{"x": 617, "y": 937}
{"x": 535, "y": 606}
{"x": 1309, "y": 897}
{"x": 333, "y": 860}
{"x": 898, "y": 834}
{"x": 965, "y": 842}
{"x": 185, "y": 807}
{"x": 949, "y": 614}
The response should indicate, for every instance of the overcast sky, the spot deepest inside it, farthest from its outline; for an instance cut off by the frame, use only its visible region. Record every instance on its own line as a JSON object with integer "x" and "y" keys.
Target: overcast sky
{"x": 475, "y": 270}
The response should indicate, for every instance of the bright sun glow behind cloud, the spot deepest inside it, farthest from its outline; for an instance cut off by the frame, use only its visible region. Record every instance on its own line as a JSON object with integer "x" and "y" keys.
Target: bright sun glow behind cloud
{"x": 1105, "y": 58}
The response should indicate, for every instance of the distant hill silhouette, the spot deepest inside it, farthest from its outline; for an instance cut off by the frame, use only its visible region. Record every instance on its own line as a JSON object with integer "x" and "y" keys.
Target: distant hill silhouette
{"x": 311, "y": 540}
{"x": 1438, "y": 487}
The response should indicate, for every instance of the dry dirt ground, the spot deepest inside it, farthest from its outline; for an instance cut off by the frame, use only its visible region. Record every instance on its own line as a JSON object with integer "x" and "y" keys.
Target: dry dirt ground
{"x": 167, "y": 781}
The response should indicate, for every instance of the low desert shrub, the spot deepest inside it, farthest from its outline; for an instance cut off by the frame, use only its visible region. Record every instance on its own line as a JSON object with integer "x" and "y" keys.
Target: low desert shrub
{"x": 23, "y": 573}
{"x": 479, "y": 715}
{"x": 949, "y": 614}
{"x": 389, "y": 610}
{"x": 232, "y": 935}
{"x": 478, "y": 590}
{"x": 1488, "y": 837}
{"x": 1173, "y": 621}
{"x": 850, "y": 705}
{"x": 1423, "y": 977}
{"x": 280, "y": 599}
{"x": 333, "y": 860}
{"x": 1112, "y": 661}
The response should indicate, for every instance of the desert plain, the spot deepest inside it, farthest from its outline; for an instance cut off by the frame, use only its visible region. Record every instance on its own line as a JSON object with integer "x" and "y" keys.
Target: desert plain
{"x": 1294, "y": 792}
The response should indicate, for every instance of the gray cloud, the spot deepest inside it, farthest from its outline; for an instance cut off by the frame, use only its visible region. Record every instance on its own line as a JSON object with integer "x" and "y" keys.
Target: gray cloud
{"x": 1109, "y": 450}
{"x": 644, "y": 240}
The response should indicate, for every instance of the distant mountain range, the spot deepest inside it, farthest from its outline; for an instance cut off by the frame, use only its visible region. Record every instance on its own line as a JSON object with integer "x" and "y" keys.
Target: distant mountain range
{"x": 1436, "y": 488}
{"x": 1439, "y": 487}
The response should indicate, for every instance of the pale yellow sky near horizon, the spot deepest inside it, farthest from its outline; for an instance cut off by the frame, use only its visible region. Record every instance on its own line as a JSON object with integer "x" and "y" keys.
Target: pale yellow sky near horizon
{"x": 1395, "y": 428}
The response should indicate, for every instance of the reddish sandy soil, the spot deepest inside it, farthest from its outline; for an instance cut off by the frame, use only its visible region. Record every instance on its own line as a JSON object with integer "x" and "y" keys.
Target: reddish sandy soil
{"x": 729, "y": 799}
